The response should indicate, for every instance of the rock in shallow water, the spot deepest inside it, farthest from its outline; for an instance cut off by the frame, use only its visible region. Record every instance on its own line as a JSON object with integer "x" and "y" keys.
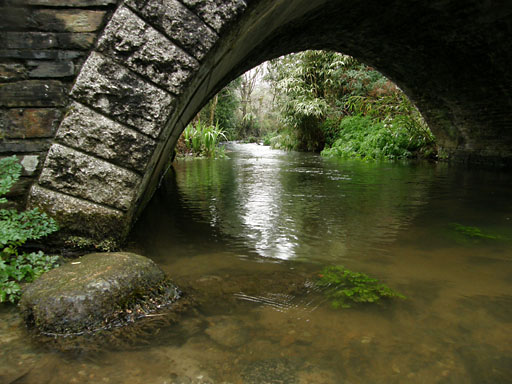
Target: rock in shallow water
{"x": 227, "y": 331}
{"x": 270, "y": 371}
{"x": 97, "y": 291}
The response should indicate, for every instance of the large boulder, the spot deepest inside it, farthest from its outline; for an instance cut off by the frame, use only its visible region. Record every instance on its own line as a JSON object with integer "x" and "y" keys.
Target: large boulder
{"x": 95, "y": 292}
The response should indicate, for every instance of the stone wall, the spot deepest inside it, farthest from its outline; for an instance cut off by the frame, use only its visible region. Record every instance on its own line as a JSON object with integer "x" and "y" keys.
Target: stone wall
{"x": 112, "y": 136}
{"x": 43, "y": 45}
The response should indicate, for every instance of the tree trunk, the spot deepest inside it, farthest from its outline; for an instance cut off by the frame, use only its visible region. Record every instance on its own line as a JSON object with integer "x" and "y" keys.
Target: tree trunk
{"x": 213, "y": 108}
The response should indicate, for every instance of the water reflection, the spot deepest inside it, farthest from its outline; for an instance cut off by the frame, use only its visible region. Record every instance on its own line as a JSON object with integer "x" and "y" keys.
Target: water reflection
{"x": 288, "y": 206}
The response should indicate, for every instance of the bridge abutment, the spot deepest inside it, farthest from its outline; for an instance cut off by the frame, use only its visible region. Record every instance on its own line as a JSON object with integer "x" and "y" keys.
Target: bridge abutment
{"x": 43, "y": 44}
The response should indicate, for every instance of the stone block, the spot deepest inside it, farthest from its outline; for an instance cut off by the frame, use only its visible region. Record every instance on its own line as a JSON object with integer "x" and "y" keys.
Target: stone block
{"x": 79, "y": 217}
{"x": 33, "y": 93}
{"x": 83, "y": 176}
{"x": 12, "y": 71}
{"x": 28, "y": 40}
{"x": 65, "y": 3}
{"x": 146, "y": 51}
{"x": 29, "y": 123}
{"x": 52, "y": 69}
{"x": 75, "y": 40}
{"x": 14, "y": 18}
{"x": 93, "y": 133}
{"x": 40, "y": 54}
{"x": 67, "y": 20}
{"x": 217, "y": 13}
{"x": 122, "y": 95}
{"x": 24, "y": 146}
{"x": 46, "y": 40}
{"x": 178, "y": 23}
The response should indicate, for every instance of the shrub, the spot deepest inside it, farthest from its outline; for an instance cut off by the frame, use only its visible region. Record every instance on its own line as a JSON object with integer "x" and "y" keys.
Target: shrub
{"x": 268, "y": 137}
{"x": 15, "y": 229}
{"x": 251, "y": 139}
{"x": 286, "y": 140}
{"x": 365, "y": 137}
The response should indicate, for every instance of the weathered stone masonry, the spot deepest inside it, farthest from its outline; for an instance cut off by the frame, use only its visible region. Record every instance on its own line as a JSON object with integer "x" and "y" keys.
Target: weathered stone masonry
{"x": 43, "y": 44}
{"x": 121, "y": 98}
{"x": 119, "y": 104}
{"x": 117, "y": 107}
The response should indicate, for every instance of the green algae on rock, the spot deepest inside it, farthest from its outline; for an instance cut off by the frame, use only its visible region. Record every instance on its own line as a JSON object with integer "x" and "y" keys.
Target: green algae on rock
{"x": 474, "y": 232}
{"x": 97, "y": 291}
{"x": 345, "y": 287}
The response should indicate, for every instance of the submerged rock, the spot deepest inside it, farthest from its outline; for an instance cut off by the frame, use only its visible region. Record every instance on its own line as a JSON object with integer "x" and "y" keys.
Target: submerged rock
{"x": 97, "y": 291}
{"x": 227, "y": 331}
{"x": 270, "y": 371}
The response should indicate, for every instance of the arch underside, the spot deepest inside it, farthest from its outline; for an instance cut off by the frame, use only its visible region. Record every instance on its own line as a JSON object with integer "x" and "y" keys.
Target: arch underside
{"x": 158, "y": 61}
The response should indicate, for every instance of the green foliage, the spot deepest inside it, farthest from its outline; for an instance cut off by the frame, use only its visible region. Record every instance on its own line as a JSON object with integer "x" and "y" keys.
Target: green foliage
{"x": 474, "y": 232}
{"x": 224, "y": 110}
{"x": 227, "y": 106}
{"x": 318, "y": 90}
{"x": 251, "y": 139}
{"x": 306, "y": 83}
{"x": 364, "y": 137}
{"x": 287, "y": 139}
{"x": 203, "y": 140}
{"x": 18, "y": 227}
{"x": 10, "y": 171}
{"x": 15, "y": 229}
{"x": 406, "y": 133}
{"x": 22, "y": 268}
{"x": 345, "y": 287}
{"x": 267, "y": 139}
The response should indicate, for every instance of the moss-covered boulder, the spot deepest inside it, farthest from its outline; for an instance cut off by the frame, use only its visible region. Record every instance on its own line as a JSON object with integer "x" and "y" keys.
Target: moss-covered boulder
{"x": 97, "y": 291}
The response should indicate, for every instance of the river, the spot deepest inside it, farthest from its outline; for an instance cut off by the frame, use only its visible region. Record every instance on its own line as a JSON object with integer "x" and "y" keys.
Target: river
{"x": 246, "y": 237}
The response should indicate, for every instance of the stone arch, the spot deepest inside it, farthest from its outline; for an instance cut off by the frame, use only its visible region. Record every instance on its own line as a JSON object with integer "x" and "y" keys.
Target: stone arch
{"x": 158, "y": 61}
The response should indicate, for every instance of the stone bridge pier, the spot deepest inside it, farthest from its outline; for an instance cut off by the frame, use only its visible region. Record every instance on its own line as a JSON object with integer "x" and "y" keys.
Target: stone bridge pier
{"x": 95, "y": 93}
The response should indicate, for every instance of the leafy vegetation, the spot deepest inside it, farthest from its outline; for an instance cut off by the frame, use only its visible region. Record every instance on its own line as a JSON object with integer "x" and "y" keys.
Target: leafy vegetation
{"x": 333, "y": 102}
{"x": 285, "y": 139}
{"x": 306, "y": 87}
{"x": 319, "y": 101}
{"x": 364, "y": 137}
{"x": 222, "y": 110}
{"x": 345, "y": 288}
{"x": 203, "y": 140}
{"x": 15, "y": 229}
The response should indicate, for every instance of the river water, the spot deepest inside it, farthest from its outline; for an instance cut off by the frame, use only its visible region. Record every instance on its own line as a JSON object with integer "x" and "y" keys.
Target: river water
{"x": 246, "y": 237}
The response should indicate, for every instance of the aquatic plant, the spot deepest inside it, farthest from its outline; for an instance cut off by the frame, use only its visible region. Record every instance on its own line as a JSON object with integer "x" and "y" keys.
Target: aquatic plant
{"x": 15, "y": 229}
{"x": 203, "y": 140}
{"x": 474, "y": 232}
{"x": 345, "y": 287}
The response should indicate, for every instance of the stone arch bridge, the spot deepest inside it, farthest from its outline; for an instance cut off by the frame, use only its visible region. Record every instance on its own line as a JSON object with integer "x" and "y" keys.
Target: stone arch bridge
{"x": 95, "y": 93}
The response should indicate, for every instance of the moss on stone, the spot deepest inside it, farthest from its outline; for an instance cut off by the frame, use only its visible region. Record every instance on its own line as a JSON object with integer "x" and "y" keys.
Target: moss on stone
{"x": 97, "y": 291}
